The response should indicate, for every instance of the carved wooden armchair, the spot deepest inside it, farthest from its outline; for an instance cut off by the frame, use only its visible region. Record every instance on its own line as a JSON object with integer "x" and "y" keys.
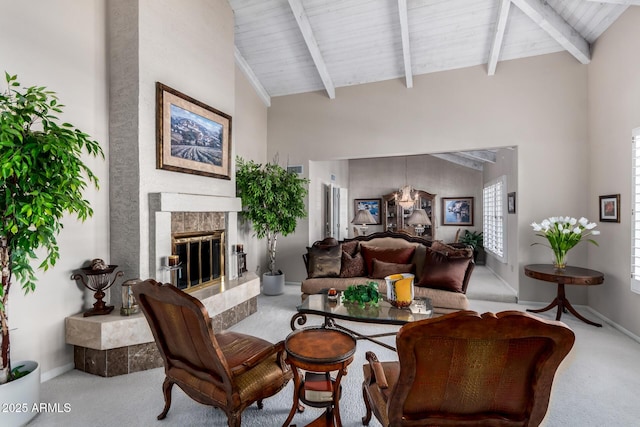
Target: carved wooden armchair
{"x": 463, "y": 369}
{"x": 228, "y": 370}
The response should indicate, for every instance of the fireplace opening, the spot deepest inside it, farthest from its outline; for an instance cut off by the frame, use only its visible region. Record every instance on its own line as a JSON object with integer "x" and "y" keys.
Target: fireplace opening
{"x": 201, "y": 258}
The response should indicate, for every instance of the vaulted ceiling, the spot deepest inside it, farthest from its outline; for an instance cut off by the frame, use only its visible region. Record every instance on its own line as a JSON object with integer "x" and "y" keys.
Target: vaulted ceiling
{"x": 294, "y": 46}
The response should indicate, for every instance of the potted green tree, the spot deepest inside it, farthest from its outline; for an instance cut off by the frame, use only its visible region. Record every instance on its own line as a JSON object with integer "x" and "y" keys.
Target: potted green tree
{"x": 273, "y": 201}
{"x": 475, "y": 240}
{"x": 42, "y": 177}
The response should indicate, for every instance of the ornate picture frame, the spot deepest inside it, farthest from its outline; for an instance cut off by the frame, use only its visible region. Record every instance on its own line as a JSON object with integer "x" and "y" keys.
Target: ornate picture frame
{"x": 610, "y": 208}
{"x": 192, "y": 137}
{"x": 372, "y": 205}
{"x": 457, "y": 211}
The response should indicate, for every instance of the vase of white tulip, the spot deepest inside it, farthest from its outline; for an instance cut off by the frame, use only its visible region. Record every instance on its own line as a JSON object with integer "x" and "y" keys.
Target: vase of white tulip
{"x": 562, "y": 234}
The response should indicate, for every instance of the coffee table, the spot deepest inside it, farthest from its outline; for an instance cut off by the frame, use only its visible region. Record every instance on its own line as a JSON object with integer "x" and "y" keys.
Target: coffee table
{"x": 384, "y": 313}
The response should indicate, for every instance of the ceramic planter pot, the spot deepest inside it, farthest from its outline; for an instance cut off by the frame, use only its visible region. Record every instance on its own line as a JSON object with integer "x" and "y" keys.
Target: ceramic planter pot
{"x": 273, "y": 284}
{"x": 20, "y": 396}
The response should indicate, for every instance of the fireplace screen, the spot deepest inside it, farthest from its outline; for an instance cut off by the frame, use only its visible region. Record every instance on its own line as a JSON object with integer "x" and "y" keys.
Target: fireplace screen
{"x": 201, "y": 257}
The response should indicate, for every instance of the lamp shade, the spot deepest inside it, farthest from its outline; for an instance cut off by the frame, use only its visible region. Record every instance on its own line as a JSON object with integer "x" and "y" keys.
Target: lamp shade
{"x": 363, "y": 216}
{"x": 418, "y": 217}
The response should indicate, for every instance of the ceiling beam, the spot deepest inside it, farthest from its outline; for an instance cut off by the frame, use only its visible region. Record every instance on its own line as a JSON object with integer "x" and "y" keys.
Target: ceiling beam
{"x": 248, "y": 72}
{"x": 547, "y": 18}
{"x": 312, "y": 45}
{"x": 482, "y": 155}
{"x": 624, "y": 2}
{"x": 459, "y": 160}
{"x": 406, "y": 50}
{"x": 494, "y": 54}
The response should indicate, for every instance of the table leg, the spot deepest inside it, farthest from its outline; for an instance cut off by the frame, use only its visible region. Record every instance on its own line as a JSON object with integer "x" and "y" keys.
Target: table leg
{"x": 296, "y": 395}
{"x": 579, "y": 316}
{"x": 563, "y": 305}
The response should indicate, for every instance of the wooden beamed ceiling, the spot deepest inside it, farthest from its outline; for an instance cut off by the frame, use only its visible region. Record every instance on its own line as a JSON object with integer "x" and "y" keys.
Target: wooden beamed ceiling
{"x": 294, "y": 46}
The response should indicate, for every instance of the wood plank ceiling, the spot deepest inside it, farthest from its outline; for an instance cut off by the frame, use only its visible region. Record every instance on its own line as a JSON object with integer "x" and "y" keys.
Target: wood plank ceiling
{"x": 287, "y": 47}
{"x": 295, "y": 46}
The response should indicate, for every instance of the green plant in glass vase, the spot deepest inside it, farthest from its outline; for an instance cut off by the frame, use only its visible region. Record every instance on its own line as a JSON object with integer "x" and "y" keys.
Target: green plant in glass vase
{"x": 42, "y": 178}
{"x": 562, "y": 234}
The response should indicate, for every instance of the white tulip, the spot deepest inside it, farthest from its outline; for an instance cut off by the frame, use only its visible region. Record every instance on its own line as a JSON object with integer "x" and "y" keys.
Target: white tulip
{"x": 590, "y": 225}
{"x": 595, "y": 232}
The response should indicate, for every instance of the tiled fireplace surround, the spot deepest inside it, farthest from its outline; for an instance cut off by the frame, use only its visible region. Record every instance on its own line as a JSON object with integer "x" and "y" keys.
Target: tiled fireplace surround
{"x": 115, "y": 345}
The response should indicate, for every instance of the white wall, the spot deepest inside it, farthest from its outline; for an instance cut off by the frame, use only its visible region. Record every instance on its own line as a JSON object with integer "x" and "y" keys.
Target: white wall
{"x": 60, "y": 44}
{"x": 614, "y": 110}
{"x": 63, "y": 44}
{"x": 538, "y": 104}
{"x": 250, "y": 137}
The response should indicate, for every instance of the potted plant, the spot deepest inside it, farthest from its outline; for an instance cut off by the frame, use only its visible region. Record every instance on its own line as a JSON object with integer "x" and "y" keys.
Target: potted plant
{"x": 42, "y": 177}
{"x": 474, "y": 239}
{"x": 273, "y": 201}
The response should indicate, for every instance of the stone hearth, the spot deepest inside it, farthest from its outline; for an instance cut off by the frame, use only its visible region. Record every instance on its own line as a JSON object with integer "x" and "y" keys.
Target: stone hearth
{"x": 114, "y": 345}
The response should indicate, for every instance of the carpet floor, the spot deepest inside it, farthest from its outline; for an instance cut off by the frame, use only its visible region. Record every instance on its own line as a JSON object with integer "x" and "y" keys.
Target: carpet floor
{"x": 597, "y": 385}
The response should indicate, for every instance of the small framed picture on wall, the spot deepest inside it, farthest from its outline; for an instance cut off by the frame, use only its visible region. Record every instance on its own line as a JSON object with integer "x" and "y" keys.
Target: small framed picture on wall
{"x": 511, "y": 202}
{"x": 610, "y": 208}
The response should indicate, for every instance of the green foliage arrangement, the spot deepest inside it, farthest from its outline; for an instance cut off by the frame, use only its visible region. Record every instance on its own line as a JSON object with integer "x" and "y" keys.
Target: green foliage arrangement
{"x": 42, "y": 179}
{"x": 273, "y": 200}
{"x": 472, "y": 238}
{"x": 362, "y": 294}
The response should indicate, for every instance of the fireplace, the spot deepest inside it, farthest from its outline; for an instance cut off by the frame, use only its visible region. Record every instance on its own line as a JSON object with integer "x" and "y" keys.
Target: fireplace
{"x": 201, "y": 258}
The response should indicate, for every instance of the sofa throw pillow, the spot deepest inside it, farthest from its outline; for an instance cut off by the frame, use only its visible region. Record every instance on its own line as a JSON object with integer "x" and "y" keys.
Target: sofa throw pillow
{"x": 443, "y": 272}
{"x": 324, "y": 261}
{"x": 351, "y": 247}
{"x": 394, "y": 255}
{"x": 451, "y": 251}
{"x": 352, "y": 266}
{"x": 383, "y": 269}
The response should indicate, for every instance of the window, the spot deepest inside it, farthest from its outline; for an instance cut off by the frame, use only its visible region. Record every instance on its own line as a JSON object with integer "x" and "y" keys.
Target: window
{"x": 635, "y": 208}
{"x": 494, "y": 206}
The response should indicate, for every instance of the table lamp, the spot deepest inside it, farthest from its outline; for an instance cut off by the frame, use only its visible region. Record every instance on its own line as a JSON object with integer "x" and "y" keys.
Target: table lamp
{"x": 363, "y": 217}
{"x": 419, "y": 219}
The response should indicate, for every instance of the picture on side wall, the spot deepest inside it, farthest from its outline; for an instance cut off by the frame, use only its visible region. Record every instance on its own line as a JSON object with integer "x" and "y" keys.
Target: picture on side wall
{"x": 511, "y": 202}
{"x": 457, "y": 211}
{"x": 372, "y": 205}
{"x": 610, "y": 208}
{"x": 192, "y": 137}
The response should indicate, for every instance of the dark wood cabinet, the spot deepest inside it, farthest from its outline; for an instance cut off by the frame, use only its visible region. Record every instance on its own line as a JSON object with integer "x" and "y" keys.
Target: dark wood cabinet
{"x": 394, "y": 216}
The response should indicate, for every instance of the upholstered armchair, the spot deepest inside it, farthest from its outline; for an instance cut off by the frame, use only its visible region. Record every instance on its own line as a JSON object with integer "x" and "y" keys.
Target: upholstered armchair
{"x": 466, "y": 369}
{"x": 228, "y": 370}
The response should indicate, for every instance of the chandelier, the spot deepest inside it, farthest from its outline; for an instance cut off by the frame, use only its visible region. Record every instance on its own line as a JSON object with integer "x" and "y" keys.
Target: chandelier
{"x": 406, "y": 197}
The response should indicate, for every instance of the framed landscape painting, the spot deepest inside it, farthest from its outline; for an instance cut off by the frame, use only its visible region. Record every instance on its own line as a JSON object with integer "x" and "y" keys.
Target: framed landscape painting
{"x": 192, "y": 137}
{"x": 372, "y": 205}
{"x": 457, "y": 211}
{"x": 610, "y": 208}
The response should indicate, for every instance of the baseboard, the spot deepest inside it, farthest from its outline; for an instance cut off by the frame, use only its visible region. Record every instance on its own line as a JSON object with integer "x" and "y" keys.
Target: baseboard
{"x": 605, "y": 319}
{"x": 503, "y": 281}
{"x": 613, "y": 324}
{"x": 52, "y": 373}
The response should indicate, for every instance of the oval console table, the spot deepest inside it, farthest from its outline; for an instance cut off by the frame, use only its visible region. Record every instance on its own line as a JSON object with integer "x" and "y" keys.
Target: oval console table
{"x": 569, "y": 276}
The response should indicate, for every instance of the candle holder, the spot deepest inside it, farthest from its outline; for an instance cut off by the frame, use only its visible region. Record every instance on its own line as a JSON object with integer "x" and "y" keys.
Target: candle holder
{"x": 129, "y": 303}
{"x": 98, "y": 280}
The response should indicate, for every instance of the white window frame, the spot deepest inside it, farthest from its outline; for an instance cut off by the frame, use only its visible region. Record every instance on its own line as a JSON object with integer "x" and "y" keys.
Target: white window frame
{"x": 494, "y": 218}
{"x": 635, "y": 209}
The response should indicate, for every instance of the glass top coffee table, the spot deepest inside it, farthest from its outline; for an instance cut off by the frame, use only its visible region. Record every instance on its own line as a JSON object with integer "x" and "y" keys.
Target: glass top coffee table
{"x": 384, "y": 313}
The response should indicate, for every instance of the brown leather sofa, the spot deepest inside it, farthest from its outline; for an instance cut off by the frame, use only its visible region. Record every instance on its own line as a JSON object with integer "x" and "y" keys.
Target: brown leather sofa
{"x": 442, "y": 271}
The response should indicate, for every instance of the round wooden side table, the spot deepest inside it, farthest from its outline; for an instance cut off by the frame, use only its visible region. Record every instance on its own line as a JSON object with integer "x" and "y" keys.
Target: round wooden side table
{"x": 569, "y": 276}
{"x": 320, "y": 350}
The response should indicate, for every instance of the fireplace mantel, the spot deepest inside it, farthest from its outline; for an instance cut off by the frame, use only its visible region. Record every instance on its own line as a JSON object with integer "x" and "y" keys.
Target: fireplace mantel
{"x": 184, "y": 202}
{"x": 161, "y": 205}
